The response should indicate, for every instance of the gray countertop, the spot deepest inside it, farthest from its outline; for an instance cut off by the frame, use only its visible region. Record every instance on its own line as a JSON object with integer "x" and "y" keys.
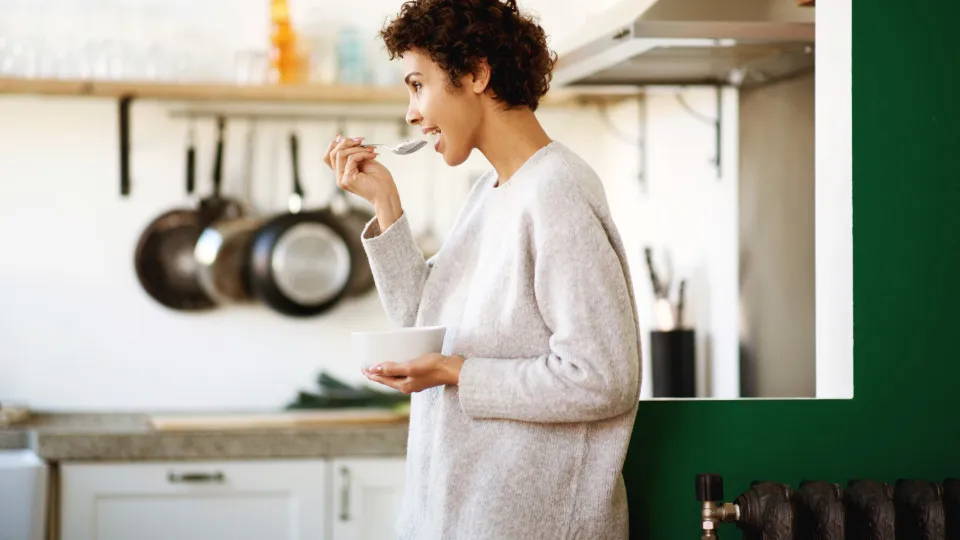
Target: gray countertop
{"x": 130, "y": 437}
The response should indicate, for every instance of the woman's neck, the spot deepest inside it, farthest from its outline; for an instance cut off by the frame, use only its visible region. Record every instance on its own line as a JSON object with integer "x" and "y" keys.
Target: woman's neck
{"x": 509, "y": 138}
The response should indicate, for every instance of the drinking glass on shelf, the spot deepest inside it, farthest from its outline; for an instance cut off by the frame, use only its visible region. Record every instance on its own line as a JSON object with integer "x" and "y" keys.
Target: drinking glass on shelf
{"x": 320, "y": 36}
{"x": 351, "y": 57}
{"x": 19, "y": 38}
{"x": 252, "y": 67}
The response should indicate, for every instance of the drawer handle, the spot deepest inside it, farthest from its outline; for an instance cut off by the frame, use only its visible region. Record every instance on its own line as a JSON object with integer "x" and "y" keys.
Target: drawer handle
{"x": 195, "y": 478}
{"x": 345, "y": 494}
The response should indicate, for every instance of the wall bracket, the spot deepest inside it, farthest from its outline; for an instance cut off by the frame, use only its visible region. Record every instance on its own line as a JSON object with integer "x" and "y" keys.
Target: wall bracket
{"x": 716, "y": 122}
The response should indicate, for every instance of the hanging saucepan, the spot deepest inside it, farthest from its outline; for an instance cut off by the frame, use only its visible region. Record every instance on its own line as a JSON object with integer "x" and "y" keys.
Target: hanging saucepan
{"x": 164, "y": 259}
{"x": 223, "y": 248}
{"x": 300, "y": 262}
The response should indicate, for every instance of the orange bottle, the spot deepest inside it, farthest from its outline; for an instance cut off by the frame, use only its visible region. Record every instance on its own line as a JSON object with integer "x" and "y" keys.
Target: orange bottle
{"x": 284, "y": 53}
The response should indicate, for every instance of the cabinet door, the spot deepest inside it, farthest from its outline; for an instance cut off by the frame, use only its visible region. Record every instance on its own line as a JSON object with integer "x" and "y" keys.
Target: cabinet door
{"x": 261, "y": 500}
{"x": 366, "y": 497}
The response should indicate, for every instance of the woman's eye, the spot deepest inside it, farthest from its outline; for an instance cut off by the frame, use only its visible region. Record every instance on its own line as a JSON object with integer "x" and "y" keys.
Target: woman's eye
{"x": 417, "y": 86}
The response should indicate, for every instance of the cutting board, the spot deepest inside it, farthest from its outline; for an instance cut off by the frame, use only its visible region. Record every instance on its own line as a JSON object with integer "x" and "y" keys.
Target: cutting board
{"x": 284, "y": 419}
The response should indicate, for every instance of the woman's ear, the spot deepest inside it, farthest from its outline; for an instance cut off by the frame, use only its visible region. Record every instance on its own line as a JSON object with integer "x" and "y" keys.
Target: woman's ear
{"x": 481, "y": 77}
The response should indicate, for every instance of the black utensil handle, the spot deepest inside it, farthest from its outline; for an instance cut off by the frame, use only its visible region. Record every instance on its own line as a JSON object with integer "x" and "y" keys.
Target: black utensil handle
{"x": 655, "y": 281}
{"x": 124, "y": 121}
{"x": 295, "y": 164}
{"x": 680, "y": 300}
{"x": 218, "y": 162}
{"x": 191, "y": 169}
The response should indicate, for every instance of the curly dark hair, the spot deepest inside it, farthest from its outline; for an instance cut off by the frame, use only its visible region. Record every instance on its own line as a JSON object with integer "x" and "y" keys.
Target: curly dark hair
{"x": 457, "y": 34}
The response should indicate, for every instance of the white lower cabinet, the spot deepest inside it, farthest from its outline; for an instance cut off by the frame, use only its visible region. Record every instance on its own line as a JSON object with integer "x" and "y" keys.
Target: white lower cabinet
{"x": 232, "y": 500}
{"x": 366, "y": 498}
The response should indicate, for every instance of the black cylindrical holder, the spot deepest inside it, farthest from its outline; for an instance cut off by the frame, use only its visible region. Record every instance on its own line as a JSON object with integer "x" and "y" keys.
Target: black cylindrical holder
{"x": 674, "y": 363}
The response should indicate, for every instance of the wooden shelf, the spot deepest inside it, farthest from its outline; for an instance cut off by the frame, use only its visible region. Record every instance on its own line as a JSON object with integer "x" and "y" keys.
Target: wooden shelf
{"x": 262, "y": 93}
{"x": 126, "y": 91}
{"x": 202, "y": 91}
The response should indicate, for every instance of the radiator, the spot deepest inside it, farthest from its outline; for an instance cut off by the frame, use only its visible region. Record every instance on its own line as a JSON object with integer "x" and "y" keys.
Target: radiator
{"x": 908, "y": 509}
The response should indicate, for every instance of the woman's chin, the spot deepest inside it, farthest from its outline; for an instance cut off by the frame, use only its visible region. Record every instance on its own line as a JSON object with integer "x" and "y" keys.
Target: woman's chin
{"x": 452, "y": 156}
{"x": 452, "y": 159}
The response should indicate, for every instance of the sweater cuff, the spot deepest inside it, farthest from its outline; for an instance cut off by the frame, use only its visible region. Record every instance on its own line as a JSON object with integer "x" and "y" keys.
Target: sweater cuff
{"x": 396, "y": 243}
{"x": 477, "y": 377}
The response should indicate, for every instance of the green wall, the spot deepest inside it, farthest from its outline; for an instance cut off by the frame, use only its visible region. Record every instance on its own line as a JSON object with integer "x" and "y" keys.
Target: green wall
{"x": 903, "y": 419}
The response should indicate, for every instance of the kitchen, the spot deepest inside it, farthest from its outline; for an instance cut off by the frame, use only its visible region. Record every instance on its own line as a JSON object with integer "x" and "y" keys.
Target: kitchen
{"x": 673, "y": 162}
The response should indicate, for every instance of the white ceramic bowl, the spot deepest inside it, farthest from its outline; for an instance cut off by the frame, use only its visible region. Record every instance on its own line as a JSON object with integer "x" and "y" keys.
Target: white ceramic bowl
{"x": 401, "y": 345}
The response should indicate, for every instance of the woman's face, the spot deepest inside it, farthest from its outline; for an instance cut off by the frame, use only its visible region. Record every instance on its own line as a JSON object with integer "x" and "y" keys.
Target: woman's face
{"x": 439, "y": 108}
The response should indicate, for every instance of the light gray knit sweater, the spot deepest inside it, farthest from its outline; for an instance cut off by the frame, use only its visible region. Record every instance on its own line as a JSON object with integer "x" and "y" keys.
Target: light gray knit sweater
{"x": 533, "y": 286}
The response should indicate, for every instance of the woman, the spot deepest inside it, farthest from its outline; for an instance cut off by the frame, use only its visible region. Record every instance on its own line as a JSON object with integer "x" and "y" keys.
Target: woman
{"x": 520, "y": 428}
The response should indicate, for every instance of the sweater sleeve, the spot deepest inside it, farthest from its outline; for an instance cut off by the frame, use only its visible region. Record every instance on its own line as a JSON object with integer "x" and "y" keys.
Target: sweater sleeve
{"x": 399, "y": 269}
{"x": 583, "y": 290}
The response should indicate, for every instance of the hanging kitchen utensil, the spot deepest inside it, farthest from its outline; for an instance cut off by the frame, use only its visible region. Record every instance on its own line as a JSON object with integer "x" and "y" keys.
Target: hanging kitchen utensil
{"x": 663, "y": 311}
{"x": 223, "y": 248}
{"x": 654, "y": 280}
{"x": 300, "y": 261}
{"x": 680, "y": 302}
{"x": 218, "y": 206}
{"x": 163, "y": 259}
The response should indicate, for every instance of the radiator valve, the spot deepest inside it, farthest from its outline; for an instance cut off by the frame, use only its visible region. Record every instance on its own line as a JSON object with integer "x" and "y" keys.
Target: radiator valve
{"x": 714, "y": 510}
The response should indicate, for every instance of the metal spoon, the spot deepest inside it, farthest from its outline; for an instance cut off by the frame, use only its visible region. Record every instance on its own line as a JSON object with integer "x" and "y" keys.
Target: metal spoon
{"x": 406, "y": 147}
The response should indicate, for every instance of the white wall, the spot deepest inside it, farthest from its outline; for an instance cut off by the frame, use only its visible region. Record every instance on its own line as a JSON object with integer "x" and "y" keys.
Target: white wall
{"x": 693, "y": 213}
{"x": 77, "y": 332}
{"x": 777, "y": 236}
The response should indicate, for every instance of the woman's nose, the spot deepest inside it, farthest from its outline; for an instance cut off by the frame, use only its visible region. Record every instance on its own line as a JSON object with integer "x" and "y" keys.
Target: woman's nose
{"x": 413, "y": 114}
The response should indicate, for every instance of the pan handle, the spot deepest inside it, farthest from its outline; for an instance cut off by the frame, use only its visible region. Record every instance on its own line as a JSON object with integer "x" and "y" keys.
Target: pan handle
{"x": 295, "y": 164}
{"x": 218, "y": 162}
{"x": 191, "y": 164}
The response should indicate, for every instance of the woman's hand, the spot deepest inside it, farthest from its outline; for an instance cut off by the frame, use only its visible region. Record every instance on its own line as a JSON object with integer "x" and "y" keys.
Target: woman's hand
{"x": 359, "y": 172}
{"x": 425, "y": 372}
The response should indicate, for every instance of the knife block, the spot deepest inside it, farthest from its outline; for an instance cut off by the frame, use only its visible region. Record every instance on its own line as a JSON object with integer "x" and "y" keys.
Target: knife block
{"x": 673, "y": 354}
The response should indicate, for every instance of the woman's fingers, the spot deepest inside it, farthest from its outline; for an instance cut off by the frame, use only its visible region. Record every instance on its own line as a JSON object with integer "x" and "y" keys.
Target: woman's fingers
{"x": 350, "y": 160}
{"x": 392, "y": 369}
{"x": 397, "y": 376}
{"x": 397, "y": 383}
{"x": 339, "y": 143}
{"x": 382, "y": 380}
{"x": 340, "y": 154}
{"x": 328, "y": 153}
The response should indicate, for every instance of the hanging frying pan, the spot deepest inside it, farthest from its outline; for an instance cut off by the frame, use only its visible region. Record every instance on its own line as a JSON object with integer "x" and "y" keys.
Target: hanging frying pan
{"x": 164, "y": 259}
{"x": 222, "y": 249}
{"x": 300, "y": 262}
